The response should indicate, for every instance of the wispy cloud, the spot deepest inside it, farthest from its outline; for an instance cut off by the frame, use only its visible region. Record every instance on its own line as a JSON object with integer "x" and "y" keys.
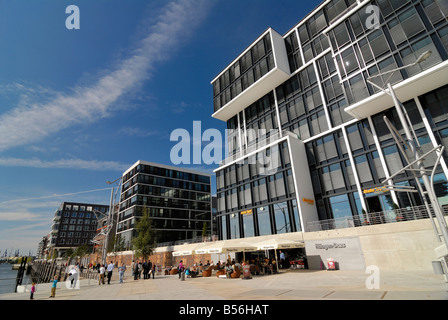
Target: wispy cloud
{"x": 93, "y": 165}
{"x": 31, "y": 121}
{"x": 137, "y": 132}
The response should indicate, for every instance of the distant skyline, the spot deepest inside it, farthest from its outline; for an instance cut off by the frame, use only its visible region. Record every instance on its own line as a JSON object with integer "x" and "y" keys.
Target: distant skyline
{"x": 79, "y": 107}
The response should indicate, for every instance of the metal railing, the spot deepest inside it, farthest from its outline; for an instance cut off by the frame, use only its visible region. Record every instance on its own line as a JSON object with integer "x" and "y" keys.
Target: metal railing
{"x": 367, "y": 219}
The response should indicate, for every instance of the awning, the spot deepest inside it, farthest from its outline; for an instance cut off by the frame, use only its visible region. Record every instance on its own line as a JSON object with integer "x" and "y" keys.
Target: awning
{"x": 274, "y": 244}
{"x": 226, "y": 246}
{"x": 185, "y": 250}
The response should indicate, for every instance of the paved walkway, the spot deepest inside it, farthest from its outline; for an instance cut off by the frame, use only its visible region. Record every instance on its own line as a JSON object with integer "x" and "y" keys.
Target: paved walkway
{"x": 289, "y": 285}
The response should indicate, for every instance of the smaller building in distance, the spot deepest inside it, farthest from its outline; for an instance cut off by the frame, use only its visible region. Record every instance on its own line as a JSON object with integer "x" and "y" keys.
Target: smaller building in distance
{"x": 74, "y": 225}
{"x": 178, "y": 200}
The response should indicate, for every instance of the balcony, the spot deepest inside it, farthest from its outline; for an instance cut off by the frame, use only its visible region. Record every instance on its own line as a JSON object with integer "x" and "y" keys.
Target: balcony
{"x": 374, "y": 218}
{"x": 279, "y": 73}
{"x": 406, "y": 90}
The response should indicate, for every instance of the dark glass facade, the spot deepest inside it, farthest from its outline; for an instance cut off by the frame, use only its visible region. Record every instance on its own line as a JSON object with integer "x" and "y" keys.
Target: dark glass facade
{"x": 76, "y": 224}
{"x": 331, "y": 55}
{"x": 178, "y": 201}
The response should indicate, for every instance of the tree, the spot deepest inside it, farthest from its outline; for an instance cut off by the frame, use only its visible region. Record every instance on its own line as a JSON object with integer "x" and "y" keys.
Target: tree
{"x": 204, "y": 230}
{"x": 145, "y": 239}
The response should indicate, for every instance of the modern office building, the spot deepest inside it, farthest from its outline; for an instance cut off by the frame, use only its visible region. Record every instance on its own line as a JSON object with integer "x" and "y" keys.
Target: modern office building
{"x": 178, "y": 200}
{"x": 307, "y": 136}
{"x": 74, "y": 225}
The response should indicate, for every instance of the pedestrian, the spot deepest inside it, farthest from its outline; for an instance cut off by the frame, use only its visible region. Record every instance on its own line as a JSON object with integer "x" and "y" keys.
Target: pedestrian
{"x": 132, "y": 267}
{"x": 121, "y": 271}
{"x": 152, "y": 269}
{"x": 145, "y": 267}
{"x": 181, "y": 268}
{"x": 140, "y": 268}
{"x": 282, "y": 260}
{"x": 33, "y": 289}
{"x": 110, "y": 269}
{"x": 136, "y": 270}
{"x": 101, "y": 271}
{"x": 53, "y": 287}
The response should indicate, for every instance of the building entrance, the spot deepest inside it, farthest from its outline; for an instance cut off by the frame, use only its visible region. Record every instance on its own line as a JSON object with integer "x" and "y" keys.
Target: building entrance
{"x": 379, "y": 203}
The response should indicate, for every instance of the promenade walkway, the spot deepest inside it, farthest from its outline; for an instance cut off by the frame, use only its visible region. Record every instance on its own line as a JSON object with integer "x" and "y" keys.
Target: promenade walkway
{"x": 288, "y": 285}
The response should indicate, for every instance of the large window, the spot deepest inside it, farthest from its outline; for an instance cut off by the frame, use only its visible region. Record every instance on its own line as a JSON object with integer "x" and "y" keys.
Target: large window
{"x": 281, "y": 214}
{"x": 264, "y": 221}
{"x": 248, "y": 225}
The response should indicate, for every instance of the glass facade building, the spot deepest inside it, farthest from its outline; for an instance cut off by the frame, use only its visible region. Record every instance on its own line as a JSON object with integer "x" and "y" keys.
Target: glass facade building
{"x": 75, "y": 225}
{"x": 305, "y": 141}
{"x": 178, "y": 201}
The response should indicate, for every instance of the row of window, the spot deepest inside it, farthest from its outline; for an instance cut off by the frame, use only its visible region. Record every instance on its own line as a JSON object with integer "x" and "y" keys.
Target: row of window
{"x": 79, "y": 221}
{"x": 77, "y": 228}
{"x": 163, "y": 202}
{"x": 165, "y": 192}
{"x": 251, "y": 67}
{"x": 162, "y": 172}
{"x": 275, "y": 218}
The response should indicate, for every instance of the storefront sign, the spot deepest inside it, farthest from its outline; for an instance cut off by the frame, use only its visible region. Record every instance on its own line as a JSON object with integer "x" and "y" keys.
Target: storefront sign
{"x": 376, "y": 190}
{"x": 331, "y": 246}
{"x": 309, "y": 201}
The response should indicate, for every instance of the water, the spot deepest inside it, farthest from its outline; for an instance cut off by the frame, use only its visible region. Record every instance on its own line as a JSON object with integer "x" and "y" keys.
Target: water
{"x": 8, "y": 278}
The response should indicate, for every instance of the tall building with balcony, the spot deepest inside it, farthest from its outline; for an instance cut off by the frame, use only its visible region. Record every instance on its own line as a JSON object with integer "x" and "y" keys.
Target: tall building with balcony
{"x": 307, "y": 136}
{"x": 178, "y": 201}
{"x": 74, "y": 225}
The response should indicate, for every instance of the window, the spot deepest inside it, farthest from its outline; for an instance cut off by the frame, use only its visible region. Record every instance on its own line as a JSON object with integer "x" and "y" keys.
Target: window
{"x": 411, "y": 23}
{"x": 340, "y": 207}
{"x": 234, "y": 226}
{"x": 248, "y": 225}
{"x": 281, "y": 214}
{"x": 264, "y": 221}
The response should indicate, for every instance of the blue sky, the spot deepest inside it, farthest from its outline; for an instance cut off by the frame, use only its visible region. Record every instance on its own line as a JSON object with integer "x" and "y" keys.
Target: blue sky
{"x": 78, "y": 107}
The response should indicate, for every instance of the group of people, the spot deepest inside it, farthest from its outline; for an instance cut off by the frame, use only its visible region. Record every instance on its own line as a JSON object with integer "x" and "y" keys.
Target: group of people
{"x": 107, "y": 271}
{"x": 146, "y": 267}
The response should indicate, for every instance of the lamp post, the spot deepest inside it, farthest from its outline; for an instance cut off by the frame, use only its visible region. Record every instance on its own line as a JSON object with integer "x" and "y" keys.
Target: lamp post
{"x": 414, "y": 146}
{"x": 109, "y": 221}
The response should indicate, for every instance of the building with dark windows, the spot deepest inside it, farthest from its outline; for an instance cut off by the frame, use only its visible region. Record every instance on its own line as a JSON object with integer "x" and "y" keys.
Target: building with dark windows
{"x": 74, "y": 225}
{"x": 307, "y": 137}
{"x": 178, "y": 200}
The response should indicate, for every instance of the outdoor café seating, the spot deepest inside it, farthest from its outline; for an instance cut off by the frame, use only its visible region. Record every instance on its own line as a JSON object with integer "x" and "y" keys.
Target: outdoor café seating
{"x": 173, "y": 271}
{"x": 221, "y": 272}
{"x": 236, "y": 273}
{"x": 207, "y": 272}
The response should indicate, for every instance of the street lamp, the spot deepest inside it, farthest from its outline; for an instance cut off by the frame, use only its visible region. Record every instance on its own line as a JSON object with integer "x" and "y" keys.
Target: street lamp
{"x": 415, "y": 148}
{"x": 109, "y": 220}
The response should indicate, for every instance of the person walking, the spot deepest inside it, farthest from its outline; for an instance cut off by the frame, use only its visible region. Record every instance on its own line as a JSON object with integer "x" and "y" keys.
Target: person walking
{"x": 145, "y": 269}
{"x": 136, "y": 270}
{"x": 181, "y": 268}
{"x": 140, "y": 268}
{"x": 101, "y": 271}
{"x": 33, "y": 289}
{"x": 121, "y": 271}
{"x": 152, "y": 269}
{"x": 110, "y": 269}
{"x": 282, "y": 260}
{"x": 53, "y": 287}
{"x": 132, "y": 268}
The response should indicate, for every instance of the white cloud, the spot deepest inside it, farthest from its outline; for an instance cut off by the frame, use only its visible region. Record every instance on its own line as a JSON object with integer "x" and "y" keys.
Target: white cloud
{"x": 93, "y": 165}
{"x": 31, "y": 122}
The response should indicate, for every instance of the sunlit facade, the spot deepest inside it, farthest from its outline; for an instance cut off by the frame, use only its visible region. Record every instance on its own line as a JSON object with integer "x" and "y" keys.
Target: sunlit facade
{"x": 307, "y": 134}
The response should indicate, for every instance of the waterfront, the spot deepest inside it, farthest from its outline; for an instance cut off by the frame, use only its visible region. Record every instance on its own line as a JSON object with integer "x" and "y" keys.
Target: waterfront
{"x": 8, "y": 278}
{"x": 288, "y": 285}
